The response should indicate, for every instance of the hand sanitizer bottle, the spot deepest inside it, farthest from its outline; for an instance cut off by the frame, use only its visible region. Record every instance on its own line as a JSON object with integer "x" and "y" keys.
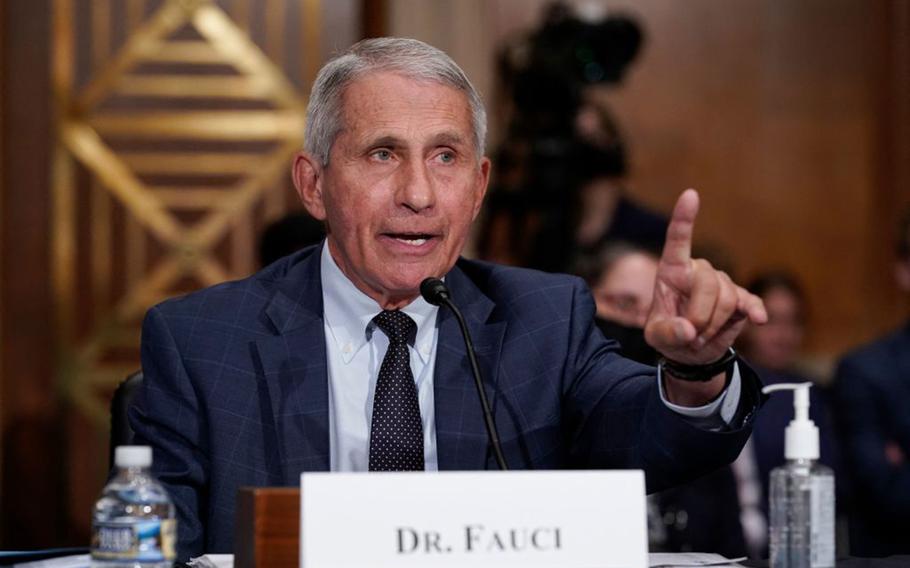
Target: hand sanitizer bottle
{"x": 802, "y": 494}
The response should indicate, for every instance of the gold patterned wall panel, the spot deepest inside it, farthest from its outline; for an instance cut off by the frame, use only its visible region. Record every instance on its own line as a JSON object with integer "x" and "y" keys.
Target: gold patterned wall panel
{"x": 174, "y": 135}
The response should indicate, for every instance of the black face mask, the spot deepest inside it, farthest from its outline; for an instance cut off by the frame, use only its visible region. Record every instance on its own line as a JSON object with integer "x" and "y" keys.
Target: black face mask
{"x": 631, "y": 340}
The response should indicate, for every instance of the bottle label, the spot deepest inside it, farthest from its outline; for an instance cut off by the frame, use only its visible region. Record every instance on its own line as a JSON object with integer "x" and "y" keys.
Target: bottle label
{"x": 142, "y": 541}
{"x": 822, "y": 521}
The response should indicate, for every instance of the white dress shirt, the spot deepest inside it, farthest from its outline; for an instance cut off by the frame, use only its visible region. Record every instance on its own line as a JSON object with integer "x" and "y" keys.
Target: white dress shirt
{"x": 355, "y": 349}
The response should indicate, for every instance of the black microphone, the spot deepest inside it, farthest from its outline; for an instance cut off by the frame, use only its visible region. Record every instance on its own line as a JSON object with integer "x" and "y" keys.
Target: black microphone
{"x": 436, "y": 292}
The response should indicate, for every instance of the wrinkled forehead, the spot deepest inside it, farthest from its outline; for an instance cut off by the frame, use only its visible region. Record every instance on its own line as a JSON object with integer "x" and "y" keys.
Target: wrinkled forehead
{"x": 389, "y": 89}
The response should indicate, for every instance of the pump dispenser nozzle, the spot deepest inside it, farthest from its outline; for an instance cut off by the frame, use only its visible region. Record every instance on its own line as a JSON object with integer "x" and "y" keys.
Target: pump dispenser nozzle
{"x": 801, "y": 436}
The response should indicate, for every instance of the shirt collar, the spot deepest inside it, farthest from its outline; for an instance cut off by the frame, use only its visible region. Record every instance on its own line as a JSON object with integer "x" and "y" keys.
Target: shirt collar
{"x": 349, "y": 313}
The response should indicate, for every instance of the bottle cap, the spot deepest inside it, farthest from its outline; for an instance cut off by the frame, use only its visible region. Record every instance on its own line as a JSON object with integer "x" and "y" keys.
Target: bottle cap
{"x": 801, "y": 436}
{"x": 133, "y": 456}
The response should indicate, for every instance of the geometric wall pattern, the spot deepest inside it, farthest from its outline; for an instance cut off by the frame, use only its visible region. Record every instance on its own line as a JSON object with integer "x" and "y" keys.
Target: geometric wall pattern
{"x": 174, "y": 133}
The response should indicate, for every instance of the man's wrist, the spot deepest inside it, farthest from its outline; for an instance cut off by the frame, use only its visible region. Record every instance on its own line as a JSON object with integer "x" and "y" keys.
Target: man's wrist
{"x": 698, "y": 373}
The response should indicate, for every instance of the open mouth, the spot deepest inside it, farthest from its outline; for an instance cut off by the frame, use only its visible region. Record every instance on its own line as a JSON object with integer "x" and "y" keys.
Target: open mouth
{"x": 412, "y": 239}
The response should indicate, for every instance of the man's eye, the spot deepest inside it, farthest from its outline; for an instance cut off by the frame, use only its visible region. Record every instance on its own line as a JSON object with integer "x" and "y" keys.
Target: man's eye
{"x": 382, "y": 155}
{"x": 447, "y": 157}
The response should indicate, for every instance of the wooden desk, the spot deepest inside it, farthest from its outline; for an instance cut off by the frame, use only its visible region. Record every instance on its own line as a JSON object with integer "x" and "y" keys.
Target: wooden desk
{"x": 267, "y": 530}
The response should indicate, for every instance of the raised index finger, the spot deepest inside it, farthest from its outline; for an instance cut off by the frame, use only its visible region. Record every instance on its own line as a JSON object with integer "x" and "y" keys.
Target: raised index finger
{"x": 678, "y": 246}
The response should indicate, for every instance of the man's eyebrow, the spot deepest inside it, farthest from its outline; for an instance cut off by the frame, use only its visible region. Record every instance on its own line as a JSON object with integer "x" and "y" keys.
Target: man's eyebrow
{"x": 447, "y": 139}
{"x": 392, "y": 141}
{"x": 385, "y": 140}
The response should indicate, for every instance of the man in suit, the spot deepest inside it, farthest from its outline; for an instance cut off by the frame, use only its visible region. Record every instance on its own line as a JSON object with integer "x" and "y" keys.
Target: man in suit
{"x": 330, "y": 360}
{"x": 871, "y": 395}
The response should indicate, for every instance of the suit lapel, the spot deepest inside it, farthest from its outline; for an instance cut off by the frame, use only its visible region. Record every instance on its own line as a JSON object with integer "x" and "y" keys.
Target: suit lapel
{"x": 294, "y": 372}
{"x": 461, "y": 436}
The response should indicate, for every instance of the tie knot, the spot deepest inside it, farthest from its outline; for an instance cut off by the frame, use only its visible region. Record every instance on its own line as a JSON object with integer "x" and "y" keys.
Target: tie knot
{"x": 396, "y": 324}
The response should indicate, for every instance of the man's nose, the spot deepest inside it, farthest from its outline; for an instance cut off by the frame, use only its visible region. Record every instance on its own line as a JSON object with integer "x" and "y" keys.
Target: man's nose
{"x": 416, "y": 191}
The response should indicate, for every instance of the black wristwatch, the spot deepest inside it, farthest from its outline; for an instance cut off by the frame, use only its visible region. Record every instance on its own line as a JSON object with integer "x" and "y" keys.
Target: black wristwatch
{"x": 698, "y": 373}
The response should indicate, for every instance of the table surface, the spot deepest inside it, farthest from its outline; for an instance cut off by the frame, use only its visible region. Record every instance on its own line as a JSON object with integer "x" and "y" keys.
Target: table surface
{"x": 851, "y": 562}
{"x": 9, "y": 557}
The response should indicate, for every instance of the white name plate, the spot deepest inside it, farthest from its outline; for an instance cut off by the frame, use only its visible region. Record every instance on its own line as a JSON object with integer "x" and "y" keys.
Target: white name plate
{"x": 564, "y": 519}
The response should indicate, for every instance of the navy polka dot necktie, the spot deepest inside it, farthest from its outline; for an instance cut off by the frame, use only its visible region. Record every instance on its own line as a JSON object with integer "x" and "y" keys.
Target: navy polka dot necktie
{"x": 396, "y": 433}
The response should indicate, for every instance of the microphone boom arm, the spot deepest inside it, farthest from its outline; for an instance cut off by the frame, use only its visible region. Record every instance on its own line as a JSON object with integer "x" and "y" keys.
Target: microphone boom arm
{"x": 435, "y": 292}
{"x": 475, "y": 369}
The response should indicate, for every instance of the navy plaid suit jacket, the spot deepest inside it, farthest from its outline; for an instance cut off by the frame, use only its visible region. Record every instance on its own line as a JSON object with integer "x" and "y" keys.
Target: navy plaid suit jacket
{"x": 236, "y": 390}
{"x": 871, "y": 392}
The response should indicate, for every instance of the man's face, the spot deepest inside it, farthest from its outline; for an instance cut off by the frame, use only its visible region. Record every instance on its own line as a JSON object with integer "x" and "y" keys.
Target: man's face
{"x": 776, "y": 345}
{"x": 403, "y": 184}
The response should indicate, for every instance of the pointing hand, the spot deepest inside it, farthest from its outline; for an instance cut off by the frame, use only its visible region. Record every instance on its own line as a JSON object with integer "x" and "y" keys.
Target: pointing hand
{"x": 698, "y": 311}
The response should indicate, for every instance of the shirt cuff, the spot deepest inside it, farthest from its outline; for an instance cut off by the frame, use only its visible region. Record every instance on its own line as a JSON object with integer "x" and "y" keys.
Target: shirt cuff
{"x": 718, "y": 413}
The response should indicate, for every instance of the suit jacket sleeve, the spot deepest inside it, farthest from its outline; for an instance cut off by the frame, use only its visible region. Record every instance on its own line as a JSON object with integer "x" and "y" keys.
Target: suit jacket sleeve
{"x": 166, "y": 417}
{"x": 616, "y": 417}
{"x": 861, "y": 402}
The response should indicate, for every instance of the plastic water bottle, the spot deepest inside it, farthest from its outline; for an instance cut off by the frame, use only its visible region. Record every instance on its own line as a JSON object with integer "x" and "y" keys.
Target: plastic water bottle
{"x": 133, "y": 524}
{"x": 802, "y": 494}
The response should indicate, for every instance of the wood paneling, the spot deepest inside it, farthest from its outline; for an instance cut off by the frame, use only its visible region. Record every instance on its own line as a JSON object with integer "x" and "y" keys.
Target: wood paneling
{"x": 54, "y": 434}
{"x": 791, "y": 120}
{"x": 770, "y": 109}
{"x": 791, "y": 117}
{"x": 2, "y": 193}
{"x": 774, "y": 111}
{"x": 33, "y": 457}
{"x": 375, "y": 19}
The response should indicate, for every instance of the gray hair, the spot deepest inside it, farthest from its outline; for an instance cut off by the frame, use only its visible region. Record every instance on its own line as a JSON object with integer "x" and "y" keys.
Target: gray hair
{"x": 409, "y": 57}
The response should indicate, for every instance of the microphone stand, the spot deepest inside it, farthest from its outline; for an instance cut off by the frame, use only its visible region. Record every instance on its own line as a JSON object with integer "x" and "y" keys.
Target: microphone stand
{"x": 436, "y": 293}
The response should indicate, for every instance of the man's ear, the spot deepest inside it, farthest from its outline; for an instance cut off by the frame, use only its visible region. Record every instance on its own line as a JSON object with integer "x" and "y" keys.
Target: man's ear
{"x": 307, "y": 174}
{"x": 483, "y": 180}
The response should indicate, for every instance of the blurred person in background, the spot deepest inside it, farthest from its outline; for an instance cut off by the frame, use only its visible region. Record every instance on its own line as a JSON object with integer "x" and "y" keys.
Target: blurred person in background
{"x": 702, "y": 515}
{"x": 560, "y": 177}
{"x": 872, "y": 396}
{"x": 603, "y": 211}
{"x": 777, "y": 346}
{"x": 621, "y": 277}
{"x": 775, "y": 349}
